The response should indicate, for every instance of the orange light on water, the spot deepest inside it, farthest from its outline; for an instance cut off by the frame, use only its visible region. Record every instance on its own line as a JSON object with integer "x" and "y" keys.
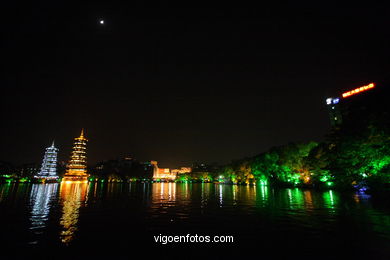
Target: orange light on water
{"x": 67, "y": 182}
{"x": 358, "y": 90}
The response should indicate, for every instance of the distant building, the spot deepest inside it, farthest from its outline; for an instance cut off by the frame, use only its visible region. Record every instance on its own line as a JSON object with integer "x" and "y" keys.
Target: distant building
{"x": 7, "y": 169}
{"x": 352, "y": 105}
{"x": 29, "y": 170}
{"x": 333, "y": 105}
{"x": 147, "y": 170}
{"x": 123, "y": 168}
{"x": 204, "y": 167}
{"x": 162, "y": 173}
{"x": 181, "y": 170}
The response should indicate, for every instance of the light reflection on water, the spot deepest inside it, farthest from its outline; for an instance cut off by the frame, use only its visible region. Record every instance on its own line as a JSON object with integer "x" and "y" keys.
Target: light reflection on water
{"x": 203, "y": 205}
{"x": 41, "y": 198}
{"x": 4, "y": 190}
{"x": 73, "y": 196}
{"x": 170, "y": 198}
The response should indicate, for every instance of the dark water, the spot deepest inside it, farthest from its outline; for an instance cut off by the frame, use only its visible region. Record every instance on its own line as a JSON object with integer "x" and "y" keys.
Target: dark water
{"x": 118, "y": 221}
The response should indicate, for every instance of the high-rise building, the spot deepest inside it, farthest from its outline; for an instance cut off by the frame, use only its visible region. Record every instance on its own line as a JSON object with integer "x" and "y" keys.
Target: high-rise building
{"x": 350, "y": 104}
{"x": 333, "y": 105}
{"x": 76, "y": 169}
{"x": 49, "y": 164}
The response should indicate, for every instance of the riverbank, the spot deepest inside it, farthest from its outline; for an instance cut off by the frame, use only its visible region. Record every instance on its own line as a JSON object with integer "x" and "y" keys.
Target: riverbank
{"x": 384, "y": 189}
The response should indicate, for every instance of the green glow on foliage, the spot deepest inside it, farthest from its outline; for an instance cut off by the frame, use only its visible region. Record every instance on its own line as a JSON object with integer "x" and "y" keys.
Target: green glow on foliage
{"x": 324, "y": 178}
{"x": 23, "y": 179}
{"x": 349, "y": 159}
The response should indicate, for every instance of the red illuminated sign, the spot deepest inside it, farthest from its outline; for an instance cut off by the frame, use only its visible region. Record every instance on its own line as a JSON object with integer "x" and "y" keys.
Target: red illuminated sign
{"x": 358, "y": 90}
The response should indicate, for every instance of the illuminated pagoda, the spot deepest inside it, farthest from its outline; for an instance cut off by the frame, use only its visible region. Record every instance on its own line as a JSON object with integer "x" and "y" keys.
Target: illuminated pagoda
{"x": 49, "y": 165}
{"x": 76, "y": 169}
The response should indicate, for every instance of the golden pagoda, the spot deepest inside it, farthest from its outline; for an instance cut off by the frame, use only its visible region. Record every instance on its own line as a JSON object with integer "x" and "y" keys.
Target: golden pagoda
{"x": 76, "y": 169}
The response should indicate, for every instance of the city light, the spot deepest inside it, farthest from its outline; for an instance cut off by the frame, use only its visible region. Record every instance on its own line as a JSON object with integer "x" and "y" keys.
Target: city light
{"x": 334, "y": 101}
{"x": 358, "y": 90}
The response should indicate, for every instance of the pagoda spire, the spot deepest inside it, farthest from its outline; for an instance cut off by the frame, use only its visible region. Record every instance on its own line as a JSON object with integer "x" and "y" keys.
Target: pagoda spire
{"x": 82, "y": 132}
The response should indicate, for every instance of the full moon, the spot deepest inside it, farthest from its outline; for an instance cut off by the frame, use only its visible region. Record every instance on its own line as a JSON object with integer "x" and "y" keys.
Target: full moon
{"x": 101, "y": 21}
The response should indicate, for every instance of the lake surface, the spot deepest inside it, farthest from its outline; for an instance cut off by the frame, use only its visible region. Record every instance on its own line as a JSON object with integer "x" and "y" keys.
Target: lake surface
{"x": 119, "y": 221}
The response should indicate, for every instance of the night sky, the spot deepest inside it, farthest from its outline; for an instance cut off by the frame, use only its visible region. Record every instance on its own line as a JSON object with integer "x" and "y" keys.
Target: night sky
{"x": 179, "y": 85}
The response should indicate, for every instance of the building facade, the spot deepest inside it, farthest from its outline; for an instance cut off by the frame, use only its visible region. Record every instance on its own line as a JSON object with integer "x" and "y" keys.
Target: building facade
{"x": 162, "y": 174}
{"x": 333, "y": 105}
{"x": 351, "y": 105}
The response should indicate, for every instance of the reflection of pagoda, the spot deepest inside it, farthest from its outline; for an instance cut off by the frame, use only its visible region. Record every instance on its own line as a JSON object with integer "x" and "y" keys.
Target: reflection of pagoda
{"x": 76, "y": 169}
{"x": 42, "y": 198}
{"x": 73, "y": 196}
